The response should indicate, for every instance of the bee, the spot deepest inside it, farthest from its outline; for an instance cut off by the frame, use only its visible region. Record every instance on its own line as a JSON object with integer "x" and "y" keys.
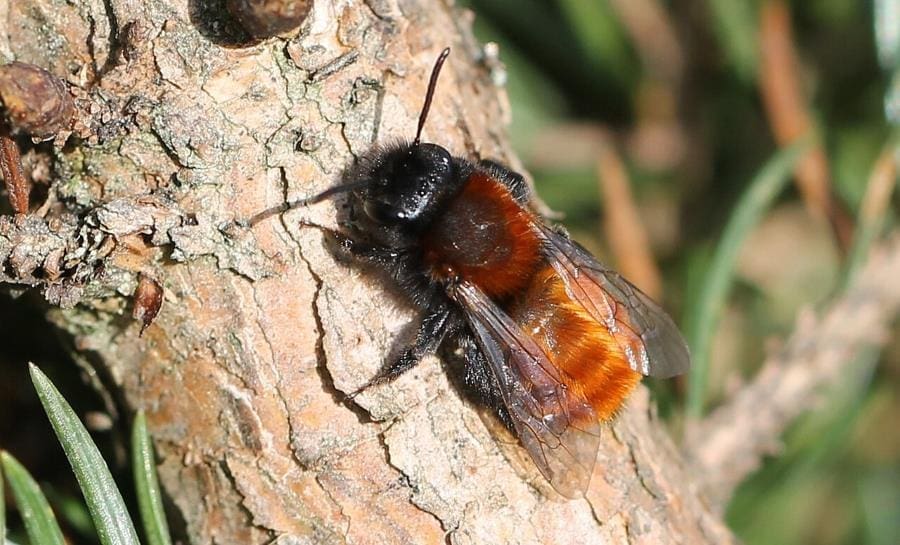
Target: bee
{"x": 552, "y": 340}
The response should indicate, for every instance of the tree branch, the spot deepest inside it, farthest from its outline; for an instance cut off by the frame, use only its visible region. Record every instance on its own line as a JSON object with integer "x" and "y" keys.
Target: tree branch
{"x": 730, "y": 443}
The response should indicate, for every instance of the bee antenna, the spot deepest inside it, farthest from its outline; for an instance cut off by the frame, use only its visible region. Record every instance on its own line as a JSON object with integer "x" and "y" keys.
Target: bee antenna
{"x": 432, "y": 84}
{"x": 290, "y": 205}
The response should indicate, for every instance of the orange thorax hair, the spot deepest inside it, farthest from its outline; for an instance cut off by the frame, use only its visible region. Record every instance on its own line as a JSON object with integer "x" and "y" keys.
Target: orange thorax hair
{"x": 484, "y": 237}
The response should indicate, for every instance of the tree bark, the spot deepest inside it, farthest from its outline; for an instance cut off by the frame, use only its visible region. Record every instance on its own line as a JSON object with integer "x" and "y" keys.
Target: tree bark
{"x": 184, "y": 125}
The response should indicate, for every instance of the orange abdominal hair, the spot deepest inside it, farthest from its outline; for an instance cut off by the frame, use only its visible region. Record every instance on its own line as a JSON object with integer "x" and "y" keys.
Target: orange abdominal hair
{"x": 587, "y": 354}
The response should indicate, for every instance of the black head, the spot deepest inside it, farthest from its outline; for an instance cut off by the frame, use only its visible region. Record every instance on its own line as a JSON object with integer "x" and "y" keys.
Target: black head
{"x": 399, "y": 186}
{"x": 407, "y": 184}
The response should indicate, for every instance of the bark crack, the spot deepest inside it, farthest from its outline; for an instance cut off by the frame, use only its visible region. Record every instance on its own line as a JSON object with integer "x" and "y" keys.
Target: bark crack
{"x": 346, "y": 519}
{"x": 328, "y": 385}
{"x": 407, "y": 481}
{"x": 113, "y": 42}
{"x": 248, "y": 513}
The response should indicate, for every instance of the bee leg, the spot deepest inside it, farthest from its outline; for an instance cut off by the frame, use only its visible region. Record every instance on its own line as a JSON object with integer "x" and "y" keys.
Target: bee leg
{"x": 356, "y": 249}
{"x": 432, "y": 330}
{"x": 513, "y": 181}
{"x": 434, "y": 327}
{"x": 364, "y": 251}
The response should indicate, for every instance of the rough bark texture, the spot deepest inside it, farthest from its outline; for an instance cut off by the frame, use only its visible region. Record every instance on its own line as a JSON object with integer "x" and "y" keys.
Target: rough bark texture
{"x": 184, "y": 125}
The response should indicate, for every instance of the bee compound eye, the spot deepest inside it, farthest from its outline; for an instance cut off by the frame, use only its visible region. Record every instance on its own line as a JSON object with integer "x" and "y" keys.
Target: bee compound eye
{"x": 383, "y": 212}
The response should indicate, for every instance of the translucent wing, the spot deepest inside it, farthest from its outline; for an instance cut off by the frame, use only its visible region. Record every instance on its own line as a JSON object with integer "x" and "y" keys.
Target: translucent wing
{"x": 554, "y": 422}
{"x": 649, "y": 338}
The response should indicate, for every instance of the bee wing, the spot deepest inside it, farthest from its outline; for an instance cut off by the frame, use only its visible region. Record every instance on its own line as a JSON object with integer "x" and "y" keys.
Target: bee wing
{"x": 649, "y": 338}
{"x": 554, "y": 422}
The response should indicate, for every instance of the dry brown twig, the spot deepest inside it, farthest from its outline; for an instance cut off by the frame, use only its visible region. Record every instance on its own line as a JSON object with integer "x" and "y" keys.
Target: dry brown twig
{"x": 731, "y": 442}
{"x": 789, "y": 115}
{"x": 880, "y": 186}
{"x": 623, "y": 226}
{"x": 17, "y": 186}
{"x": 658, "y": 139}
{"x": 35, "y": 103}
{"x": 653, "y": 33}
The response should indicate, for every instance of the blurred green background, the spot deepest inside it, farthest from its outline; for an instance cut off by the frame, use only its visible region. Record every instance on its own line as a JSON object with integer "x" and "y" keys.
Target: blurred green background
{"x": 677, "y": 90}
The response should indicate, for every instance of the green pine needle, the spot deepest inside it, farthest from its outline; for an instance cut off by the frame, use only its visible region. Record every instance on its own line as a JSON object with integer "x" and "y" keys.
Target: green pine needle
{"x": 147, "y": 484}
{"x": 40, "y": 523}
{"x": 703, "y": 314}
{"x": 104, "y": 501}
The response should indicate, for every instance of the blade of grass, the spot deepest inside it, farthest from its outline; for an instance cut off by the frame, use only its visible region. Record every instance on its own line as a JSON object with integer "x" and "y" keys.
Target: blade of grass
{"x": 892, "y": 99}
{"x": 111, "y": 519}
{"x": 40, "y": 524}
{"x": 733, "y": 22}
{"x": 147, "y": 485}
{"x": 597, "y": 29}
{"x": 72, "y": 513}
{"x": 879, "y": 498}
{"x": 703, "y": 314}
